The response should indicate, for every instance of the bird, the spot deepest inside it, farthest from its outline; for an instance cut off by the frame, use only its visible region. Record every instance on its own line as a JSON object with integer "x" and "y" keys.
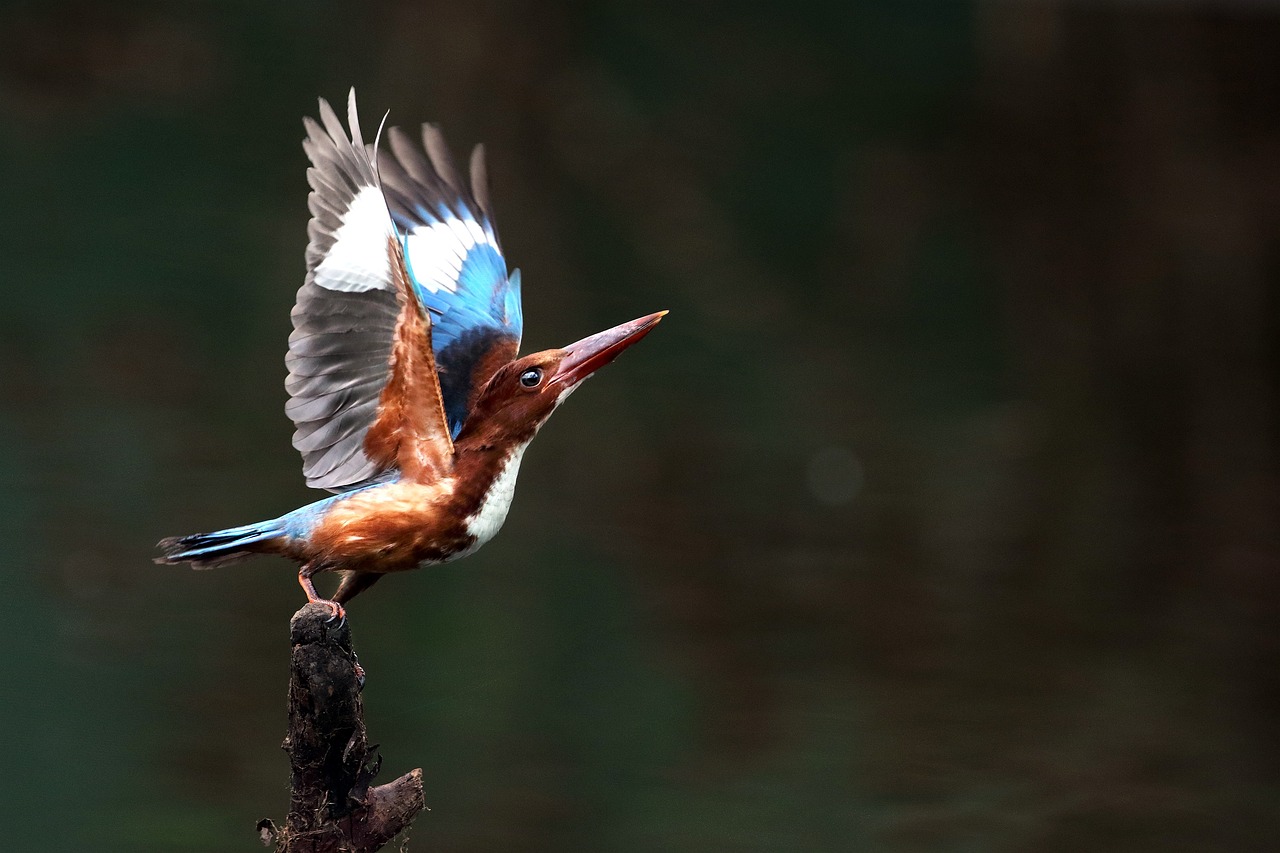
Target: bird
{"x": 409, "y": 400}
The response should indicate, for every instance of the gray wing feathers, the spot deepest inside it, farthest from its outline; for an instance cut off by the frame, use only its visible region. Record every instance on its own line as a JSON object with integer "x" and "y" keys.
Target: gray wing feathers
{"x": 410, "y": 166}
{"x": 480, "y": 182}
{"x": 427, "y": 173}
{"x": 438, "y": 150}
{"x": 346, "y": 311}
{"x": 336, "y": 378}
{"x": 344, "y": 462}
{"x": 320, "y": 435}
{"x": 340, "y": 168}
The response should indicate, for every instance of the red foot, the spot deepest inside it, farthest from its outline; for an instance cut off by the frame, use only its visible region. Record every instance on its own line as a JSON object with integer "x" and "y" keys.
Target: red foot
{"x": 336, "y": 610}
{"x": 304, "y": 578}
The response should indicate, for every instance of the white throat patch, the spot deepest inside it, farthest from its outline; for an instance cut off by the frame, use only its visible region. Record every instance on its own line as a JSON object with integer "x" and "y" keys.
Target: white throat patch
{"x": 487, "y": 520}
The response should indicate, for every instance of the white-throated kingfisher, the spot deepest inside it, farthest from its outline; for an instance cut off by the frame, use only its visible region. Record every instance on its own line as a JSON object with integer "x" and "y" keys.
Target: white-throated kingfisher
{"x": 404, "y": 383}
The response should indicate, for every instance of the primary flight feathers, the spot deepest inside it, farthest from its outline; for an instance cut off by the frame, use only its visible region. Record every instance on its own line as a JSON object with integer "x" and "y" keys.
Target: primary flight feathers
{"x": 407, "y": 308}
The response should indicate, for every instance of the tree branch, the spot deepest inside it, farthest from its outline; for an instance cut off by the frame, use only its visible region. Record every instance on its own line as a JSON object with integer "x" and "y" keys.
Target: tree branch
{"x": 332, "y": 807}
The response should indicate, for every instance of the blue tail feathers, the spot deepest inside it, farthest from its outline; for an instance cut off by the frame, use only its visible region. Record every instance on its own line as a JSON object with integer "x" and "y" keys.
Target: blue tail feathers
{"x": 207, "y": 550}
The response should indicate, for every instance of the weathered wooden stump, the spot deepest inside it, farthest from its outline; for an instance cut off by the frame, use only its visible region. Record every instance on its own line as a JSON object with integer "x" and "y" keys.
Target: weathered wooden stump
{"x": 332, "y": 807}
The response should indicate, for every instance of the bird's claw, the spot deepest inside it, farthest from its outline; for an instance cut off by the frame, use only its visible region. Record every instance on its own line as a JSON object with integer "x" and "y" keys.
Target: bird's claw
{"x": 336, "y": 611}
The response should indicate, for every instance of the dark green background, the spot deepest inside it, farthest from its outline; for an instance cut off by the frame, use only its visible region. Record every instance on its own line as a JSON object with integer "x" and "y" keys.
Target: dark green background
{"x": 941, "y": 514}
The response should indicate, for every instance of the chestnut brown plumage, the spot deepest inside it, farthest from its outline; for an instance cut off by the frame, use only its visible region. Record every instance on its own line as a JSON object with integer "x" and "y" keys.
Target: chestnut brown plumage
{"x": 405, "y": 385}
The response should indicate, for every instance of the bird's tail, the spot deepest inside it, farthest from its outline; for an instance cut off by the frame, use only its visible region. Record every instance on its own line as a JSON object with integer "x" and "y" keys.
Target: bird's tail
{"x": 209, "y": 550}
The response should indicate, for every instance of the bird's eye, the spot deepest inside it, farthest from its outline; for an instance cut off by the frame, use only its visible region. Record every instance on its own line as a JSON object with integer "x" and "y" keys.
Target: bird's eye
{"x": 531, "y": 377}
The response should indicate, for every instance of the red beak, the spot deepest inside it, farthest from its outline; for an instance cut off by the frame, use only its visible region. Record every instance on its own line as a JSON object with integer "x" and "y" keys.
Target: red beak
{"x": 590, "y": 354}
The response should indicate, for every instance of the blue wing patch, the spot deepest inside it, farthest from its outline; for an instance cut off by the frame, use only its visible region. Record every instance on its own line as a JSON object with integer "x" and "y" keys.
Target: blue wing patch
{"x": 455, "y": 261}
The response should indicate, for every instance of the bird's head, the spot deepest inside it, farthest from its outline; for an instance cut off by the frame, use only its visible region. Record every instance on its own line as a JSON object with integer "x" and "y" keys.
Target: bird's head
{"x": 522, "y": 394}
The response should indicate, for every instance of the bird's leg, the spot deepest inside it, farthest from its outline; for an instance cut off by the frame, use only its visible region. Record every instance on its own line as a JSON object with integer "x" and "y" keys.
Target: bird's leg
{"x": 304, "y": 579}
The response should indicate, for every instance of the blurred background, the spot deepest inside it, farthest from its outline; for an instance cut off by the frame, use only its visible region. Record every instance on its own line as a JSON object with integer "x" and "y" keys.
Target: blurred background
{"x": 940, "y": 515}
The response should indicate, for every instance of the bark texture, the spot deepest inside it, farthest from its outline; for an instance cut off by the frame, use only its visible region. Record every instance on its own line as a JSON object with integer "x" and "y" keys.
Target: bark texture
{"x": 332, "y": 807}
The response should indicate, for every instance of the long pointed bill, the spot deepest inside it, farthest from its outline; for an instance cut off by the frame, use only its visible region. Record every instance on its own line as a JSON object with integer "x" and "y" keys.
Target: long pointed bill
{"x": 590, "y": 354}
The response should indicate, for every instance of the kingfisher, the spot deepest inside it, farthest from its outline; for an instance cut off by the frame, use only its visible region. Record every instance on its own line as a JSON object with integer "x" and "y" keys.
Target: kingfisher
{"x": 407, "y": 394}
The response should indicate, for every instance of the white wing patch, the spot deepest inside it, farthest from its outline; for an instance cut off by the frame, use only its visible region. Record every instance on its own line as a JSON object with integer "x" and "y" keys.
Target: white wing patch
{"x": 436, "y": 252}
{"x": 358, "y": 260}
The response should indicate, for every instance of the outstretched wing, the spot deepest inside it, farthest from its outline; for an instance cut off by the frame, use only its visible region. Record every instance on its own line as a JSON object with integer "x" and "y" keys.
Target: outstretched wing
{"x": 456, "y": 265}
{"x": 363, "y": 390}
